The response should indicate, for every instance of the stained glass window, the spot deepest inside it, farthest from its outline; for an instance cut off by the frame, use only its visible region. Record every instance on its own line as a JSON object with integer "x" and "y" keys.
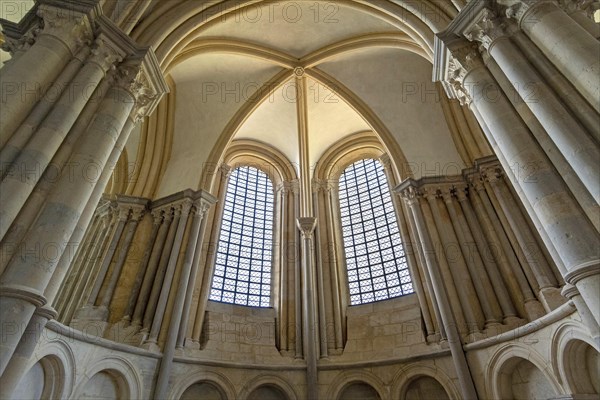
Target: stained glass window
{"x": 377, "y": 268}
{"x": 244, "y": 254}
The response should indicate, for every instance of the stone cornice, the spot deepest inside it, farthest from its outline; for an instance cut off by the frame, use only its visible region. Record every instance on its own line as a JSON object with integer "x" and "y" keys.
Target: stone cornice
{"x": 175, "y": 198}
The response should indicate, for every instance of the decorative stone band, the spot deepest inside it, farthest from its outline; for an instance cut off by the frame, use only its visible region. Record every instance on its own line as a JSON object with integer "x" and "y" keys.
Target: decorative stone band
{"x": 525, "y": 10}
{"x": 569, "y": 291}
{"x": 307, "y": 226}
{"x": 46, "y": 312}
{"x": 28, "y": 294}
{"x": 582, "y": 271}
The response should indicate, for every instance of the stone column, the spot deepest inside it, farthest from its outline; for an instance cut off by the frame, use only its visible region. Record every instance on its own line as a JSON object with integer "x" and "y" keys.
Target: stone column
{"x": 143, "y": 266}
{"x": 90, "y": 208}
{"x": 440, "y": 333}
{"x": 567, "y": 228}
{"x": 307, "y": 225}
{"x": 459, "y": 359}
{"x": 317, "y": 189}
{"x": 136, "y": 214}
{"x": 184, "y": 284}
{"x": 506, "y": 258}
{"x": 16, "y": 187}
{"x": 108, "y": 256}
{"x": 83, "y": 286}
{"x": 17, "y": 366}
{"x": 203, "y": 206}
{"x": 299, "y": 300}
{"x": 25, "y": 81}
{"x": 508, "y": 309}
{"x": 408, "y": 250}
{"x": 483, "y": 286}
{"x": 157, "y": 283}
{"x": 581, "y": 109}
{"x": 570, "y": 47}
{"x": 21, "y": 136}
{"x": 208, "y": 268}
{"x": 161, "y": 307}
{"x": 284, "y": 295}
{"x": 141, "y": 299}
{"x": 38, "y": 197}
{"x": 76, "y": 269}
{"x": 582, "y": 12}
{"x": 548, "y": 285}
{"x": 571, "y": 139}
{"x": 25, "y": 278}
{"x": 334, "y": 269}
{"x": 460, "y": 278}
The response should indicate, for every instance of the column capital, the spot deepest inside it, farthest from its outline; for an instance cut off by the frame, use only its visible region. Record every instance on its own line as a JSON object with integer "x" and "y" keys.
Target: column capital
{"x": 319, "y": 185}
{"x": 522, "y": 9}
{"x": 491, "y": 174}
{"x": 168, "y": 213}
{"x": 141, "y": 76}
{"x": 157, "y": 216}
{"x": 446, "y": 193}
{"x": 225, "y": 170}
{"x": 461, "y": 192}
{"x": 104, "y": 54}
{"x": 71, "y": 24}
{"x": 137, "y": 213}
{"x": 462, "y": 61}
{"x": 410, "y": 194}
{"x": 487, "y": 29}
{"x": 307, "y": 226}
{"x": 123, "y": 213}
{"x": 21, "y": 35}
{"x": 201, "y": 207}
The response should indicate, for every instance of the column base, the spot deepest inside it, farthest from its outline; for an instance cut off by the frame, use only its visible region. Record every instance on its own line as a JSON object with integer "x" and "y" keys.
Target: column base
{"x": 534, "y": 310}
{"x": 151, "y": 346}
{"x": 551, "y": 298}
{"x": 91, "y": 320}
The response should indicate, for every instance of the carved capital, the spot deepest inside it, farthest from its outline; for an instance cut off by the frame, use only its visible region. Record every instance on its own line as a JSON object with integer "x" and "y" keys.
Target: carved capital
{"x": 491, "y": 174}
{"x": 123, "y": 213}
{"x": 13, "y": 45}
{"x": 307, "y": 226}
{"x": 168, "y": 214}
{"x": 104, "y": 55}
{"x": 463, "y": 60}
{"x": 157, "y": 216}
{"x": 524, "y": 11}
{"x": 201, "y": 207}
{"x": 488, "y": 29}
{"x": 137, "y": 213}
{"x": 411, "y": 196}
{"x": 72, "y": 28}
{"x": 446, "y": 193}
{"x": 184, "y": 207}
{"x": 319, "y": 185}
{"x": 461, "y": 193}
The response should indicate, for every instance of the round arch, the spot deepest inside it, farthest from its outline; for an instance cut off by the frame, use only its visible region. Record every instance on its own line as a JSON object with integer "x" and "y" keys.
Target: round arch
{"x": 268, "y": 380}
{"x": 220, "y": 381}
{"x": 270, "y": 160}
{"x": 345, "y": 379}
{"x": 419, "y": 21}
{"x": 347, "y": 151}
{"x": 570, "y": 348}
{"x": 408, "y": 375}
{"x": 507, "y": 357}
{"x": 57, "y": 357}
{"x": 126, "y": 374}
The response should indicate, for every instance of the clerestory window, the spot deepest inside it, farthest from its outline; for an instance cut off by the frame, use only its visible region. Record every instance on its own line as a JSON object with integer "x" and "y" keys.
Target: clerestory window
{"x": 375, "y": 259}
{"x": 242, "y": 272}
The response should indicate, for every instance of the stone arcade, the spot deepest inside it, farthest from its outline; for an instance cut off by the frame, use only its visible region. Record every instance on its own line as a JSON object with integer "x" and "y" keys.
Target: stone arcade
{"x": 236, "y": 199}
